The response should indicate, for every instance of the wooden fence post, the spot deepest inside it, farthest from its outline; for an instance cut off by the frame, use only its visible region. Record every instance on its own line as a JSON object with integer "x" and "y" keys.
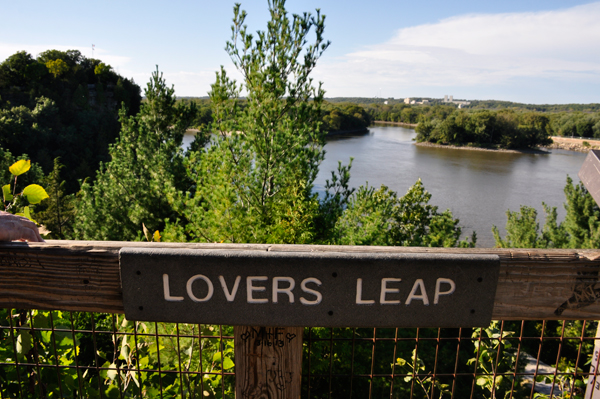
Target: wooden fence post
{"x": 268, "y": 362}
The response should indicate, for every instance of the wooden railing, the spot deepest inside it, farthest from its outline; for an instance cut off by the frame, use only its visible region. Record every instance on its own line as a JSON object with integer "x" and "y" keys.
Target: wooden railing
{"x": 533, "y": 284}
{"x": 550, "y": 284}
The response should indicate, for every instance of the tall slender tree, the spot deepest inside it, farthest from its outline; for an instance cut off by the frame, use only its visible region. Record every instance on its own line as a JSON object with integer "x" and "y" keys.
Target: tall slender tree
{"x": 145, "y": 173}
{"x": 255, "y": 180}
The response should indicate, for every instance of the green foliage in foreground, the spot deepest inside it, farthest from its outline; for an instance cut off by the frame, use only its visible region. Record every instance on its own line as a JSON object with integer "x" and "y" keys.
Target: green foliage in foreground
{"x": 20, "y": 201}
{"x": 34, "y": 175}
{"x": 58, "y": 213}
{"x": 580, "y": 229}
{"x": 109, "y": 360}
{"x": 380, "y": 217}
{"x": 146, "y": 171}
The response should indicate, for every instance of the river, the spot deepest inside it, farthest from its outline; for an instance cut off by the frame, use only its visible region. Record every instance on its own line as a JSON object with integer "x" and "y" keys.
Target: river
{"x": 477, "y": 186}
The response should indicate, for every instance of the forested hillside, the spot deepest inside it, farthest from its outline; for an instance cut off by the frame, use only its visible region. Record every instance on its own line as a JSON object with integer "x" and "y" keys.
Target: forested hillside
{"x": 62, "y": 104}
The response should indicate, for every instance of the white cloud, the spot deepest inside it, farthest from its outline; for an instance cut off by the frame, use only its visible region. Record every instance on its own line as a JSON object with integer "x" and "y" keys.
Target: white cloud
{"x": 475, "y": 50}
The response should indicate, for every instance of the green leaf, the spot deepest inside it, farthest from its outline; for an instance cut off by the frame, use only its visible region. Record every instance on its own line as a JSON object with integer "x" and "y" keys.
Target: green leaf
{"x": 35, "y": 193}
{"x": 24, "y": 343}
{"x": 46, "y": 336}
{"x": 156, "y": 236}
{"x": 481, "y": 381}
{"x": 112, "y": 373}
{"x": 27, "y": 214}
{"x": 41, "y": 320}
{"x": 400, "y": 361}
{"x": 134, "y": 376}
{"x": 144, "y": 361}
{"x": 20, "y": 167}
{"x": 6, "y": 191}
{"x": 124, "y": 348}
{"x": 112, "y": 392}
{"x": 228, "y": 363}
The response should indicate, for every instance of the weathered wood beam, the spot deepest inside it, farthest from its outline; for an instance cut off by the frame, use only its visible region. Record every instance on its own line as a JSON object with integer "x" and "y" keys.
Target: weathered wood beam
{"x": 268, "y": 362}
{"x": 84, "y": 276}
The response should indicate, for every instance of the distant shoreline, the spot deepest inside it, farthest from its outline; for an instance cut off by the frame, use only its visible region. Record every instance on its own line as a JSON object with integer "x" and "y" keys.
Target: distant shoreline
{"x": 457, "y": 147}
{"x": 411, "y": 125}
{"x": 348, "y": 131}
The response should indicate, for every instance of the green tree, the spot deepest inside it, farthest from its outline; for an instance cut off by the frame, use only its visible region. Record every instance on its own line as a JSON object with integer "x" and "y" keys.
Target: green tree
{"x": 102, "y": 69}
{"x": 57, "y": 67}
{"x": 522, "y": 230}
{"x": 380, "y": 217}
{"x": 254, "y": 182}
{"x": 59, "y": 214}
{"x": 580, "y": 229}
{"x": 145, "y": 173}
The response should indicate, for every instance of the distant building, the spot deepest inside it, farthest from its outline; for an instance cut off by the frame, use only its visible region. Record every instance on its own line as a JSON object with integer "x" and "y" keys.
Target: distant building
{"x": 385, "y": 102}
{"x": 407, "y": 101}
{"x": 450, "y": 99}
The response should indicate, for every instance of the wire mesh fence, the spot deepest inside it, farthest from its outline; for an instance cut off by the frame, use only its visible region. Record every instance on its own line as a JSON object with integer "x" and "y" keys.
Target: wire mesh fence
{"x": 56, "y": 354}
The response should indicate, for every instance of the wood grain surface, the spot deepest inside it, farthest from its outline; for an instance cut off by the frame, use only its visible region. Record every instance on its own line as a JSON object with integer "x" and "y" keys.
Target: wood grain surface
{"x": 84, "y": 276}
{"x": 268, "y": 362}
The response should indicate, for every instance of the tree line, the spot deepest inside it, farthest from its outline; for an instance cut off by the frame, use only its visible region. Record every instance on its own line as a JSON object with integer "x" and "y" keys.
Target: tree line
{"x": 492, "y": 129}
{"x": 576, "y": 120}
{"x": 335, "y": 117}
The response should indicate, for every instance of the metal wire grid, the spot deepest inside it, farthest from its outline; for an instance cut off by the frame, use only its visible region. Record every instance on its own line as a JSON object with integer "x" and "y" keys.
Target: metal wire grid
{"x": 95, "y": 355}
{"x": 80, "y": 355}
{"x": 525, "y": 359}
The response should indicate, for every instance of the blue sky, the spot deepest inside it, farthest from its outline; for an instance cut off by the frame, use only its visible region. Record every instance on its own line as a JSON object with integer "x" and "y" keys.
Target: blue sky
{"x": 530, "y": 51}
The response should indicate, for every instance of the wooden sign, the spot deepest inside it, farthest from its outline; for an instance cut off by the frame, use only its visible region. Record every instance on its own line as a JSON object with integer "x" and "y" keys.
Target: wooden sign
{"x": 589, "y": 174}
{"x": 308, "y": 289}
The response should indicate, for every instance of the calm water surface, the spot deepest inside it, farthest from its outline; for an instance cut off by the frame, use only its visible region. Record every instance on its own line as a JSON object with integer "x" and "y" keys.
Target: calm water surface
{"x": 477, "y": 186}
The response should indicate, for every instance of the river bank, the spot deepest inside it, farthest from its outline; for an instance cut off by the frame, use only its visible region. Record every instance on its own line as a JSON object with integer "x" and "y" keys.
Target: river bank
{"x": 573, "y": 144}
{"x": 458, "y": 147}
{"x": 348, "y": 131}
{"x": 562, "y": 143}
{"x": 409, "y": 125}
